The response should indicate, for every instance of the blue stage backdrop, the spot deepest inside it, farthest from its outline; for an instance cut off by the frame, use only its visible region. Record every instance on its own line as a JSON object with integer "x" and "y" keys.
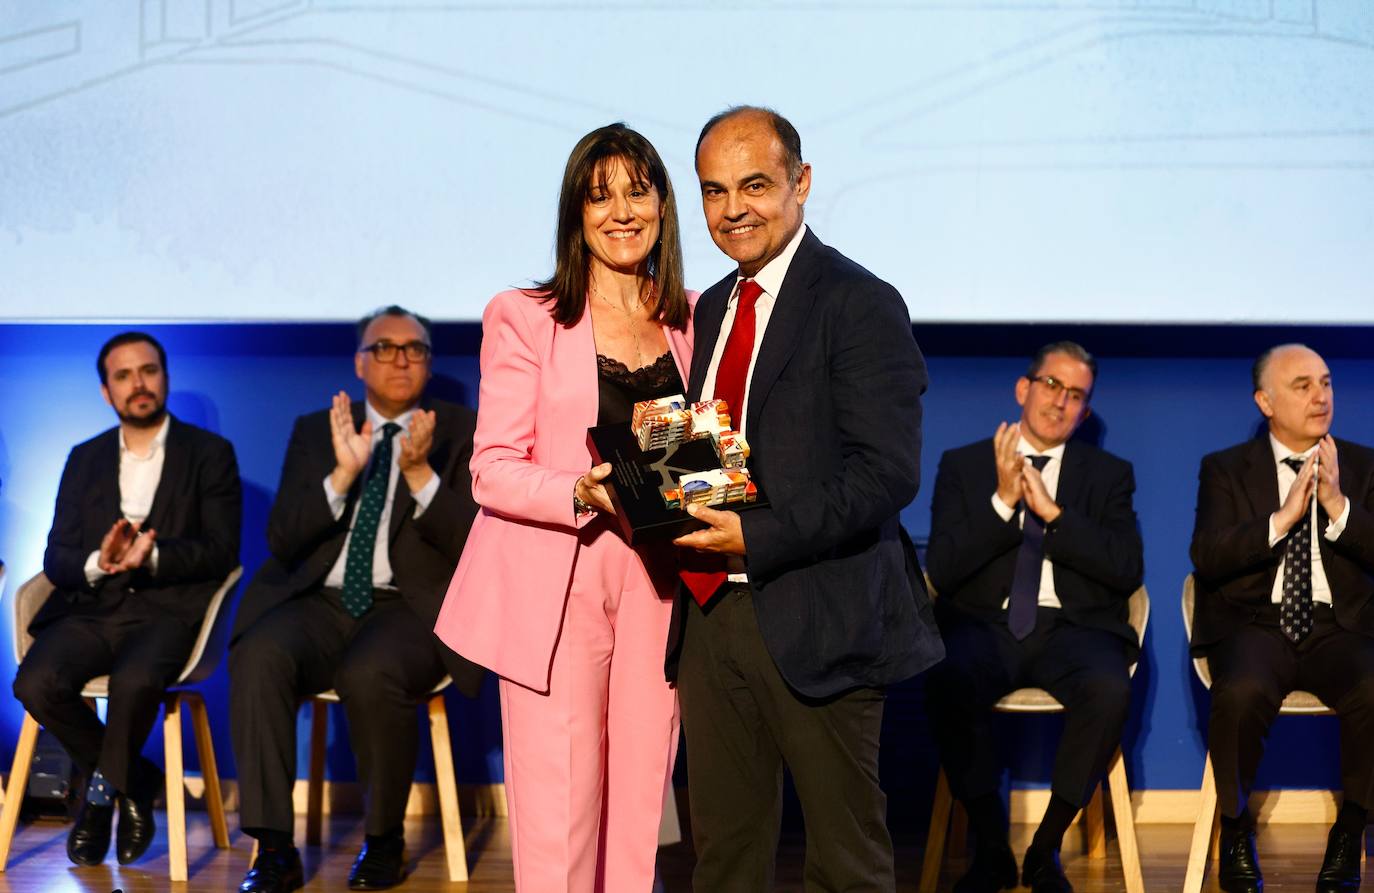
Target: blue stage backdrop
{"x": 1166, "y": 396}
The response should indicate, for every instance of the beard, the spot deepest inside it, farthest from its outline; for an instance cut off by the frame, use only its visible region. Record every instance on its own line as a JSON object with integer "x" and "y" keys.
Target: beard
{"x": 151, "y": 419}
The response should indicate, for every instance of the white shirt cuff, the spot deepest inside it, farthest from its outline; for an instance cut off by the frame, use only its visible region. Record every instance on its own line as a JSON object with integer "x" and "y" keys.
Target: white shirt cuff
{"x": 93, "y": 572}
{"x": 425, "y": 495}
{"x": 1003, "y": 510}
{"x": 336, "y": 501}
{"x": 1335, "y": 528}
{"x": 1273, "y": 534}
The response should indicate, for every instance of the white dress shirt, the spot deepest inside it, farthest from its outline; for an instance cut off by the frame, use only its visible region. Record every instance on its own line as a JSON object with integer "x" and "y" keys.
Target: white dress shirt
{"x": 381, "y": 557}
{"x": 1046, "y": 598}
{"x": 138, "y": 480}
{"x": 1321, "y": 589}
{"x": 770, "y": 280}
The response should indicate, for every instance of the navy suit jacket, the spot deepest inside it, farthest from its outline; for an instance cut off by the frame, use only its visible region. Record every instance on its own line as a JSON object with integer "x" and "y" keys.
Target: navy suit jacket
{"x": 1234, "y": 565}
{"x": 305, "y": 538}
{"x": 196, "y": 512}
{"x": 834, "y": 430}
{"x": 1094, "y": 546}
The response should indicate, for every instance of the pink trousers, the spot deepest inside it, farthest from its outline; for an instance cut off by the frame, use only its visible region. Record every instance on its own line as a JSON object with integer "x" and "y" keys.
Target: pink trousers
{"x": 588, "y": 762}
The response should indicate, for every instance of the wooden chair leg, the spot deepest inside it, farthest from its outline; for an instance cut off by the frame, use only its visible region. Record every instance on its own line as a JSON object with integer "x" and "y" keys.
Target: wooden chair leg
{"x": 448, "y": 790}
{"x": 1094, "y": 827}
{"x": 176, "y": 788}
{"x": 956, "y": 844}
{"x": 1215, "y": 846}
{"x": 19, "y": 781}
{"x": 1202, "y": 831}
{"x": 209, "y": 769}
{"x": 1123, "y": 814}
{"x": 314, "y": 800}
{"x": 936, "y": 835}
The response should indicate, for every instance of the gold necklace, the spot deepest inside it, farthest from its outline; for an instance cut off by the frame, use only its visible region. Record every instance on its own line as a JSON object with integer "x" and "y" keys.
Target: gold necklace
{"x": 630, "y": 320}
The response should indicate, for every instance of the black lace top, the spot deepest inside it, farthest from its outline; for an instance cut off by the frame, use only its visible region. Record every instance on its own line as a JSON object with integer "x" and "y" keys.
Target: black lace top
{"x": 621, "y": 388}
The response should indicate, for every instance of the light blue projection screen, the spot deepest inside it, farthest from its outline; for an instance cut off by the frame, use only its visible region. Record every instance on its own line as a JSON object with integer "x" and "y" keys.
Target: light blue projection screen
{"x": 1134, "y": 160}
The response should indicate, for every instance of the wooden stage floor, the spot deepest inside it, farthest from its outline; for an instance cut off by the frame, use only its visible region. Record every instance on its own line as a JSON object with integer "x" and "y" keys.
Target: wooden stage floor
{"x": 1290, "y": 855}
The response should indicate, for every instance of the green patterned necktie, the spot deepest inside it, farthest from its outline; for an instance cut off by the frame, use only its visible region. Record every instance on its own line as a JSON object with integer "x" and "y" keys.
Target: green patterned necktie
{"x": 357, "y": 585}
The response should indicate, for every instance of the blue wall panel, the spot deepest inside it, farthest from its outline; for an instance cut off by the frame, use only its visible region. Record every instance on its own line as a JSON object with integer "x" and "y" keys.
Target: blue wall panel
{"x": 1166, "y": 396}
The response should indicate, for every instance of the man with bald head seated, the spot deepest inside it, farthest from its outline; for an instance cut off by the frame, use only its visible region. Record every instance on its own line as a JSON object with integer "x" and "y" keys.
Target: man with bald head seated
{"x": 370, "y": 517}
{"x": 1034, "y": 553}
{"x": 1283, "y": 558}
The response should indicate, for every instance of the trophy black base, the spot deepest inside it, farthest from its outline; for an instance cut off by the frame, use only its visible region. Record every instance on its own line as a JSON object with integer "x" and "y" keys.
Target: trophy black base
{"x": 640, "y": 477}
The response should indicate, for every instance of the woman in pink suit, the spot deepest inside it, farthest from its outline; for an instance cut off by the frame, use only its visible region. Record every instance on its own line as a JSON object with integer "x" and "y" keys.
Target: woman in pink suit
{"x": 548, "y": 595}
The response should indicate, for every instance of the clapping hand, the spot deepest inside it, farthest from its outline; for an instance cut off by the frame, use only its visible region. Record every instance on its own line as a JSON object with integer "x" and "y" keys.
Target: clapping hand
{"x": 1037, "y": 496}
{"x": 352, "y": 447}
{"x": 415, "y": 443}
{"x": 1329, "y": 479}
{"x": 125, "y": 547}
{"x": 1009, "y": 463}
{"x": 1295, "y": 504}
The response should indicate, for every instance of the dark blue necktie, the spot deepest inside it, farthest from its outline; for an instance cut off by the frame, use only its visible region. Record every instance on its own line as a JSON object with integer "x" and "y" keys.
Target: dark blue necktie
{"x": 1025, "y": 580}
{"x": 357, "y": 587}
{"x": 1295, "y": 611}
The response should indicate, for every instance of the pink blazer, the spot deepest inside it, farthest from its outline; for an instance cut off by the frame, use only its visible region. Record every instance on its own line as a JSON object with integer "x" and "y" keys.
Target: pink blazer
{"x": 537, "y": 398}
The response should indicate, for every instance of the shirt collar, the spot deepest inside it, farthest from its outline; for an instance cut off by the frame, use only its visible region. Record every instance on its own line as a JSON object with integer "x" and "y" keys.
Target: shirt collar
{"x": 378, "y": 420}
{"x": 1282, "y": 452}
{"x": 1056, "y": 453}
{"x": 771, "y": 276}
{"x": 159, "y": 439}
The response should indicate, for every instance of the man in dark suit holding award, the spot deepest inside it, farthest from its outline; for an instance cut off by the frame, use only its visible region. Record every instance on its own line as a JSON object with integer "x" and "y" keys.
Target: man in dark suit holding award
{"x": 1283, "y": 557}
{"x": 370, "y": 517}
{"x": 1034, "y": 552}
{"x": 796, "y": 615}
{"x": 145, "y": 530}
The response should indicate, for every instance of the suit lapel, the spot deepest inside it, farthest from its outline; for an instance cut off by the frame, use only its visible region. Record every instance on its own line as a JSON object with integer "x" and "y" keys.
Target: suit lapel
{"x": 106, "y": 483}
{"x": 1072, "y": 475}
{"x": 790, "y": 313}
{"x": 1261, "y": 478}
{"x": 176, "y": 469}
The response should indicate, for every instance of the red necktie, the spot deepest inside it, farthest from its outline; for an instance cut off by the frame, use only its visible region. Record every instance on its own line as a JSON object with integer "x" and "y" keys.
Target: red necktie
{"x": 704, "y": 573}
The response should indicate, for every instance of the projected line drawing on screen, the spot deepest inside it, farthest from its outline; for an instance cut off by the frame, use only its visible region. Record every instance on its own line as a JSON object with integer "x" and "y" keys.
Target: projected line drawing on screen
{"x": 1202, "y": 161}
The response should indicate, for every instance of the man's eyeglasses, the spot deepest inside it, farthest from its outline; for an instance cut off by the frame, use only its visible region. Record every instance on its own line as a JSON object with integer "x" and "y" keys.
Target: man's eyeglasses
{"x": 385, "y": 351}
{"x": 1055, "y": 386}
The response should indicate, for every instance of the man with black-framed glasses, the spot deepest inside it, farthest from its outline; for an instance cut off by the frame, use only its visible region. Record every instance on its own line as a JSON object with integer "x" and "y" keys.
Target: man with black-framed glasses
{"x": 370, "y": 517}
{"x": 1034, "y": 552}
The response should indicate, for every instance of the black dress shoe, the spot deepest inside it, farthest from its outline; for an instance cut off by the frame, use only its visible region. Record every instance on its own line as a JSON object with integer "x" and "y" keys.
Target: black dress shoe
{"x": 1043, "y": 873}
{"x": 990, "y": 872}
{"x": 136, "y": 828}
{"x": 1341, "y": 867}
{"x": 381, "y": 864}
{"x": 274, "y": 871}
{"x": 89, "y": 839}
{"x": 1239, "y": 871}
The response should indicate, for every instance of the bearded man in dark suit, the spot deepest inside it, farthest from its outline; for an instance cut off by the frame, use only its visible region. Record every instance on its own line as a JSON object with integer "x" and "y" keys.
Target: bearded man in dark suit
{"x": 371, "y": 515}
{"x": 145, "y": 530}
{"x": 1283, "y": 557}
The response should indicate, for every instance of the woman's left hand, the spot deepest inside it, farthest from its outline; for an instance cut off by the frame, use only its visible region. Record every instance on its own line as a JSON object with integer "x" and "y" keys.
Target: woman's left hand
{"x": 590, "y": 489}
